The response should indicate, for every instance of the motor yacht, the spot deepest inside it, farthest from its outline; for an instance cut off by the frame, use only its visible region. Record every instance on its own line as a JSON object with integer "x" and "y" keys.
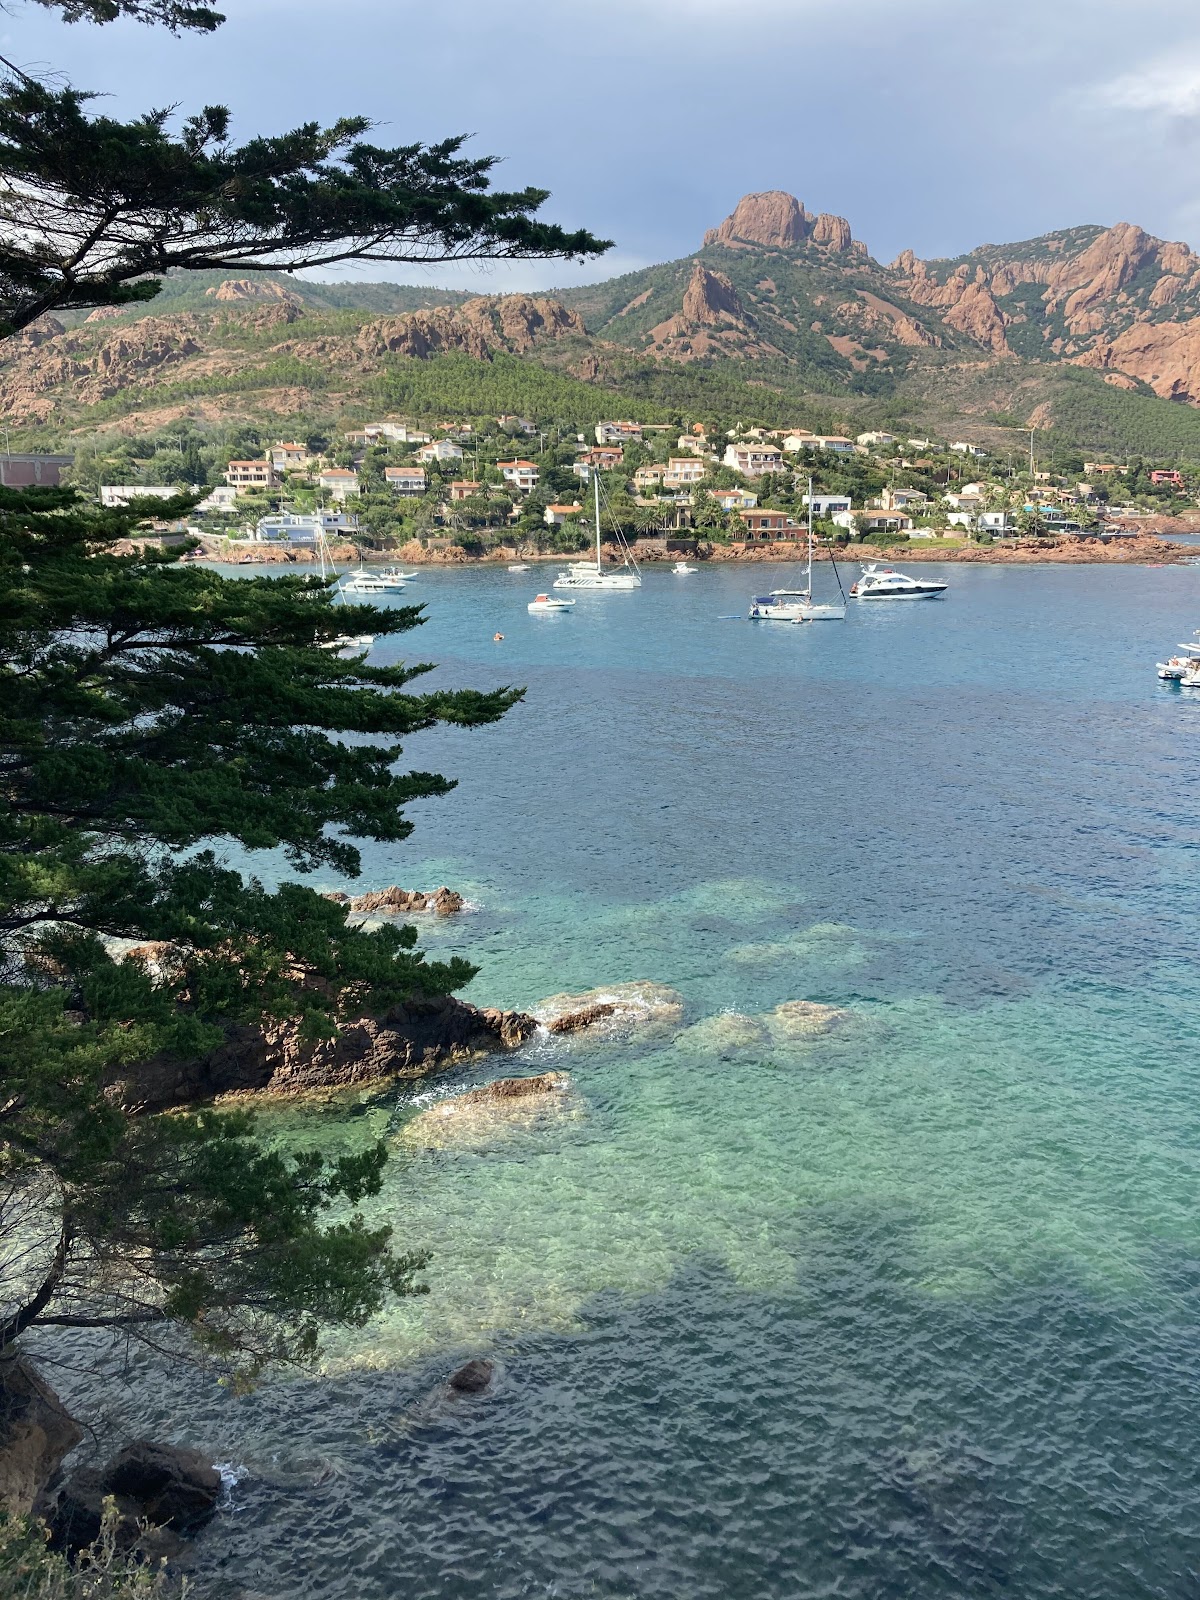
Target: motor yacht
{"x": 549, "y": 602}
{"x": 519, "y": 566}
{"x": 885, "y": 583}
{"x": 364, "y": 582}
{"x": 1176, "y": 668}
{"x": 682, "y": 568}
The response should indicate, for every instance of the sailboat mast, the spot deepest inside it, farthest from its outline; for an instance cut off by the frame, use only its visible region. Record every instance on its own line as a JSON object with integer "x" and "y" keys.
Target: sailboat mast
{"x": 596, "y": 496}
{"x": 810, "y": 535}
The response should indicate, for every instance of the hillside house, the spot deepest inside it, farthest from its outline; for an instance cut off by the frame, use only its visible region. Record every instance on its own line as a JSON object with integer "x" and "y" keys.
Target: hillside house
{"x": 440, "y": 450}
{"x": 465, "y": 489}
{"x": 339, "y": 482}
{"x": 648, "y": 477}
{"x": 219, "y": 499}
{"x": 875, "y": 440}
{"x": 391, "y": 433}
{"x": 289, "y": 457}
{"x": 735, "y": 499}
{"x": 408, "y": 481}
{"x": 902, "y": 499}
{"x": 242, "y": 475}
{"x": 681, "y": 471}
{"x": 694, "y": 444}
{"x": 120, "y": 494}
{"x": 766, "y": 527}
{"x": 518, "y": 424}
{"x": 825, "y": 505}
{"x": 963, "y": 502}
{"x": 884, "y": 521}
{"x": 963, "y": 447}
{"x": 1100, "y": 469}
{"x": 617, "y": 432}
{"x": 753, "y": 460}
{"x": 296, "y": 527}
{"x": 960, "y": 519}
{"x": 836, "y": 443}
{"x": 1175, "y": 479}
{"x": 997, "y": 523}
{"x": 523, "y": 475}
{"x": 604, "y": 456}
{"x": 555, "y": 516}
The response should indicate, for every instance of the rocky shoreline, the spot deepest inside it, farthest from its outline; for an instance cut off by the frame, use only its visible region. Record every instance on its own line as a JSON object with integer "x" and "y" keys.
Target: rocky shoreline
{"x": 1143, "y": 547}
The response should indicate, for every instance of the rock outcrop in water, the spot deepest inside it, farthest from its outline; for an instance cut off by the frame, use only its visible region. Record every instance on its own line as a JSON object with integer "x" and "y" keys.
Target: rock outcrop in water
{"x": 422, "y": 1036}
{"x": 36, "y": 1433}
{"x": 396, "y": 902}
{"x": 494, "y": 1111}
{"x": 620, "y": 1009}
{"x": 154, "y": 1485}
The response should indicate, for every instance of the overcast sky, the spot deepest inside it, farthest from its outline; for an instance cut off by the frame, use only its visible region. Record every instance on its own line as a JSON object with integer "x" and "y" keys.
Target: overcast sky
{"x": 935, "y": 124}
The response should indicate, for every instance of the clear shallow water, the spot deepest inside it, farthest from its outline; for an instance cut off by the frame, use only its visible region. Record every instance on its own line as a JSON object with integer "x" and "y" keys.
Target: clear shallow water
{"x": 911, "y": 1309}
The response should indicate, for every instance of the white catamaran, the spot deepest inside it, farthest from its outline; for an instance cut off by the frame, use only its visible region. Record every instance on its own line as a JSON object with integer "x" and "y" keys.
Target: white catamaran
{"x": 591, "y": 575}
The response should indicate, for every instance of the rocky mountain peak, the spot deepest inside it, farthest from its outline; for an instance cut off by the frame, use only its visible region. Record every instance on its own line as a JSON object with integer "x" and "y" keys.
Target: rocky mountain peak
{"x": 710, "y": 298}
{"x": 776, "y": 220}
{"x": 242, "y": 289}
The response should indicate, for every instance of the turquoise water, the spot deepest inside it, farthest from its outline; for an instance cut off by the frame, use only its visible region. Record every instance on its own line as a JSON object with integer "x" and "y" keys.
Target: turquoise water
{"x": 911, "y": 1308}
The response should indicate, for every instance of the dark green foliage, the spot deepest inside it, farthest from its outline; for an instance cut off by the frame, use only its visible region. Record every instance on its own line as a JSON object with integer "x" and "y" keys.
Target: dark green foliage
{"x": 149, "y": 707}
{"x": 93, "y": 209}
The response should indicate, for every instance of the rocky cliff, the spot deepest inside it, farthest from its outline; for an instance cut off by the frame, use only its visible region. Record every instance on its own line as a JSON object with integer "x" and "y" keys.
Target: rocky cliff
{"x": 1116, "y": 299}
{"x": 776, "y": 220}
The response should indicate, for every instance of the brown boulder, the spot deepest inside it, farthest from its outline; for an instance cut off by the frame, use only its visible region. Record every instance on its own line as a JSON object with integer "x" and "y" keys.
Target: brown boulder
{"x": 153, "y": 1485}
{"x": 35, "y": 1434}
{"x": 422, "y": 1036}
{"x": 397, "y": 901}
{"x": 474, "y": 1377}
{"x": 572, "y": 1021}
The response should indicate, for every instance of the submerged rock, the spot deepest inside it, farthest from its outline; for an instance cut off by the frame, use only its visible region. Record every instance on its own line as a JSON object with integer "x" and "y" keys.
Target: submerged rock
{"x": 803, "y": 1019}
{"x": 727, "y": 1032}
{"x": 474, "y": 1377}
{"x": 495, "y": 1110}
{"x": 643, "y": 1006}
{"x": 162, "y": 1485}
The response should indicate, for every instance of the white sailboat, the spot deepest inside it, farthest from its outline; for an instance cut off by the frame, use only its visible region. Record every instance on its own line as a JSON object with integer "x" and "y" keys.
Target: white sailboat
{"x": 826, "y": 610}
{"x": 344, "y": 643}
{"x": 589, "y": 575}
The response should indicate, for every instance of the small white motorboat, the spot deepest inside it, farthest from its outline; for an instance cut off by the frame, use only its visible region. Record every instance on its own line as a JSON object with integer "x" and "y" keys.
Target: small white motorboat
{"x": 885, "y": 583}
{"x": 549, "y": 602}
{"x": 519, "y": 566}
{"x": 349, "y": 643}
{"x": 682, "y": 568}
{"x": 1176, "y": 668}
{"x": 364, "y": 582}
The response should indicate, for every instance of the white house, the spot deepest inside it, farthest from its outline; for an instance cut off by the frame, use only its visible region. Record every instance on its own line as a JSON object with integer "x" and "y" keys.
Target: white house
{"x": 835, "y": 442}
{"x": 994, "y": 522}
{"x": 219, "y": 499}
{"x": 523, "y": 475}
{"x": 682, "y": 470}
{"x": 440, "y": 450}
{"x": 960, "y": 519}
{"x": 555, "y": 516}
{"x": 735, "y": 499}
{"x": 339, "y": 482}
{"x": 120, "y": 494}
{"x": 617, "y": 432}
{"x": 825, "y": 505}
{"x": 963, "y": 502}
{"x": 395, "y": 432}
{"x": 405, "y": 480}
{"x": 251, "y": 475}
{"x": 303, "y": 527}
{"x": 963, "y": 447}
{"x": 876, "y": 439}
{"x": 752, "y": 460}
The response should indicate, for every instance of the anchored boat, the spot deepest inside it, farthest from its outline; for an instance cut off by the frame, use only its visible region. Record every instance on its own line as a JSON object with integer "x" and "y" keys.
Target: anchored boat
{"x": 885, "y": 583}
{"x": 589, "y": 575}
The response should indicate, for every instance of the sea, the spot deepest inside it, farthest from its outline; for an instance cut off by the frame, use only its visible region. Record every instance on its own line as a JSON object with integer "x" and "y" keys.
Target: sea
{"x": 907, "y": 1307}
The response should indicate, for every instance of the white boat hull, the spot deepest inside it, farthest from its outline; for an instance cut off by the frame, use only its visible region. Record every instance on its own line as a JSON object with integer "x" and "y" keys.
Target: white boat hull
{"x": 599, "y": 580}
{"x": 930, "y": 592}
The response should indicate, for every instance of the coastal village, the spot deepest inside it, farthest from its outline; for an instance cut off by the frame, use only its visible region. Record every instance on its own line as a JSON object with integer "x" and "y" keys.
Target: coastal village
{"x": 457, "y": 490}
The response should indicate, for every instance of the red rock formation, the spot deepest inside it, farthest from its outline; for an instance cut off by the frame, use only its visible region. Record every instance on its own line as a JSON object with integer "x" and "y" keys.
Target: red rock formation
{"x": 478, "y": 328}
{"x": 711, "y": 299}
{"x": 242, "y": 289}
{"x": 776, "y": 220}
